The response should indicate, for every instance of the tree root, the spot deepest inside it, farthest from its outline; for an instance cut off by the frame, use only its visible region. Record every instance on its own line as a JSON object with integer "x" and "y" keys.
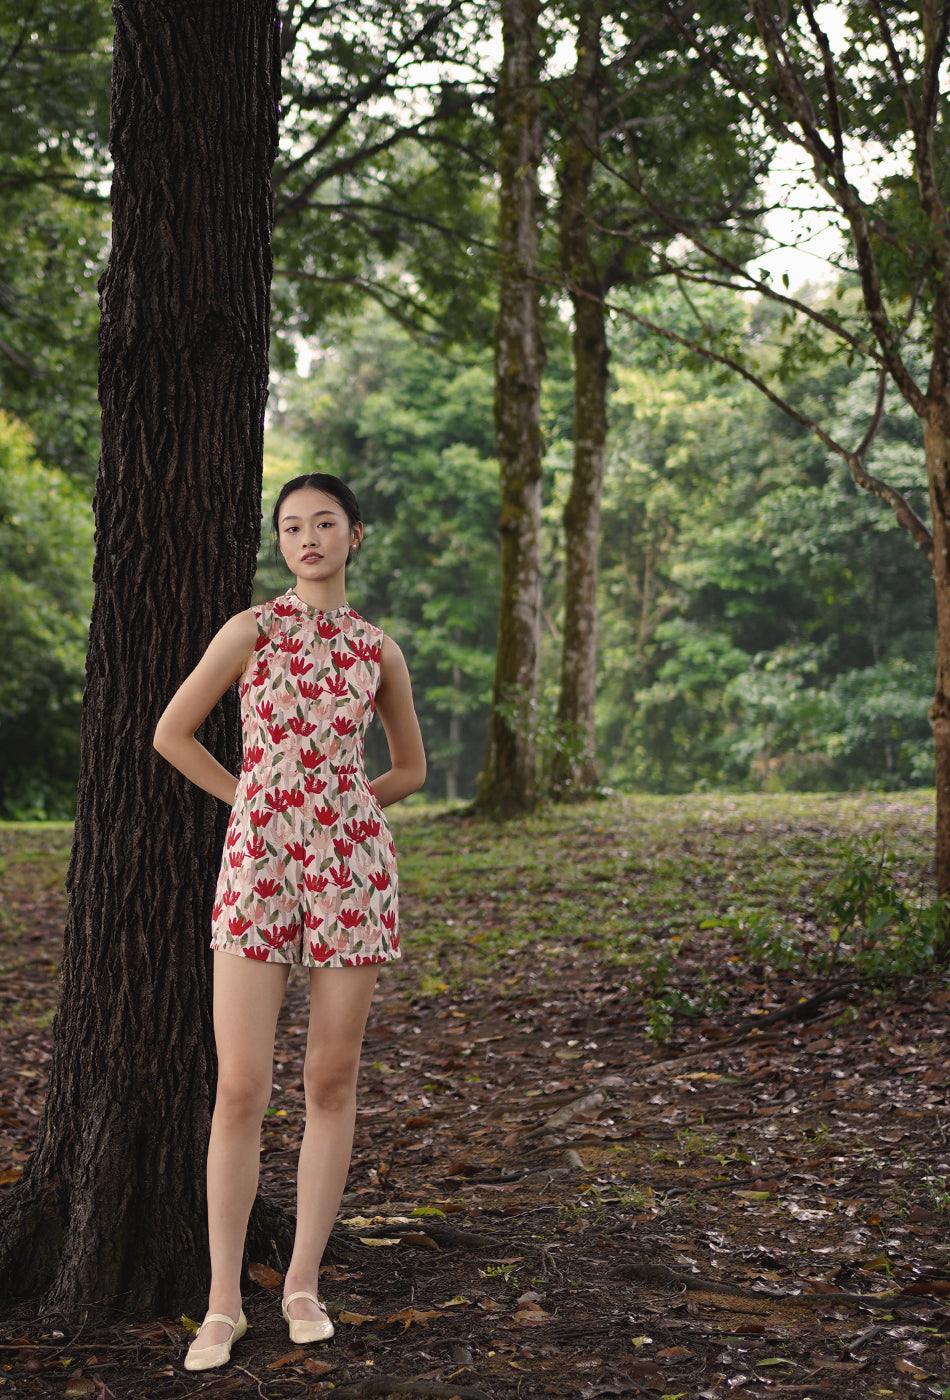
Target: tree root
{"x": 659, "y": 1273}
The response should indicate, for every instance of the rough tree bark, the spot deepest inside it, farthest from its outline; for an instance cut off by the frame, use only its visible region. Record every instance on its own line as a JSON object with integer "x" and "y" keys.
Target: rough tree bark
{"x": 574, "y": 770}
{"x": 111, "y": 1205}
{"x": 509, "y": 783}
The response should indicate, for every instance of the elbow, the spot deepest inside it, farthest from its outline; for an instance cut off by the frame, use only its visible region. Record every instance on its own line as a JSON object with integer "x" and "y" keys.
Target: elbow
{"x": 161, "y": 739}
{"x": 419, "y": 776}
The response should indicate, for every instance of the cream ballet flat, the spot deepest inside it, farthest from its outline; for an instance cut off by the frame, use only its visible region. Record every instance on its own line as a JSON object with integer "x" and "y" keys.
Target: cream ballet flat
{"x": 307, "y": 1329}
{"x": 206, "y": 1358}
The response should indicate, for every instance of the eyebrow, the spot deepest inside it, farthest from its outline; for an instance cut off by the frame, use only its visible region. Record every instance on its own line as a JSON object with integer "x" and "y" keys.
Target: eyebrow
{"x": 284, "y": 518}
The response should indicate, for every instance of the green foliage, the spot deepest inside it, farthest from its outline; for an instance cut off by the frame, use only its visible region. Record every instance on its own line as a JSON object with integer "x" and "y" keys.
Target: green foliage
{"x": 45, "y": 595}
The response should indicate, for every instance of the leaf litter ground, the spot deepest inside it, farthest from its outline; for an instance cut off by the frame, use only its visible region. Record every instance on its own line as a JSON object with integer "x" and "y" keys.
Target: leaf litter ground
{"x": 547, "y": 1200}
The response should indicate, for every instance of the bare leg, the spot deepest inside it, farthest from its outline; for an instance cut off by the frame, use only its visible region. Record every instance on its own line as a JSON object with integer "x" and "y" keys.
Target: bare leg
{"x": 247, "y": 998}
{"x": 340, "y": 999}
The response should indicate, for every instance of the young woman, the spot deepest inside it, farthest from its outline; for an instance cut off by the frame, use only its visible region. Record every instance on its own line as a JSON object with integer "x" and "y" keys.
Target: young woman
{"x": 308, "y": 876}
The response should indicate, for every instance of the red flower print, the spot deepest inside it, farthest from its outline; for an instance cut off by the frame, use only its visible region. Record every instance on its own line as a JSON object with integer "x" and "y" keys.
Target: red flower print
{"x": 234, "y": 836}
{"x": 388, "y": 920}
{"x": 342, "y": 878}
{"x": 361, "y": 831}
{"x": 316, "y": 884}
{"x": 257, "y": 847}
{"x": 345, "y": 781}
{"x": 238, "y": 925}
{"x": 253, "y": 788}
{"x": 260, "y": 818}
{"x": 341, "y": 661}
{"x": 231, "y": 897}
{"x": 314, "y": 785}
{"x": 284, "y": 609}
{"x": 363, "y": 650}
{"x": 394, "y": 942}
{"x": 261, "y": 642}
{"x": 290, "y": 645}
{"x": 261, "y": 675}
{"x": 325, "y": 815}
{"x": 299, "y": 667}
{"x": 352, "y": 918}
{"x": 320, "y": 952}
{"x": 294, "y": 797}
{"x": 236, "y": 859}
{"x": 265, "y": 888}
{"x": 298, "y": 851}
{"x": 313, "y": 921}
{"x": 259, "y": 953}
{"x": 311, "y": 758}
{"x": 344, "y": 849}
{"x": 343, "y": 726}
{"x": 379, "y": 878}
{"x": 277, "y": 733}
{"x": 310, "y": 689}
{"x": 337, "y": 686}
{"x": 244, "y": 689}
{"x": 266, "y": 710}
{"x": 252, "y": 757}
{"x": 216, "y": 913}
{"x": 327, "y": 629}
{"x": 276, "y": 800}
{"x": 303, "y": 727}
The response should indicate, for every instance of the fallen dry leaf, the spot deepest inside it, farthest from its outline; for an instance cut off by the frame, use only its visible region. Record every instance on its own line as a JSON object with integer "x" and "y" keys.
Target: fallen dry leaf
{"x": 264, "y": 1276}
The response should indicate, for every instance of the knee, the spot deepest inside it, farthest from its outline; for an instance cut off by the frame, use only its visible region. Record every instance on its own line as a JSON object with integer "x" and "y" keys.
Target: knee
{"x": 330, "y": 1087}
{"x": 241, "y": 1095}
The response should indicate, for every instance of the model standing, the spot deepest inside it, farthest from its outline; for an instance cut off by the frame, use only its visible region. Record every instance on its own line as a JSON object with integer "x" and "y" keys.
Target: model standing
{"x": 308, "y": 875}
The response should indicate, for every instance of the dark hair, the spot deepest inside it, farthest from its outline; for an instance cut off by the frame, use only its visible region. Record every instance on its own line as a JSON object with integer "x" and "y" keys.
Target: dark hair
{"x": 330, "y": 486}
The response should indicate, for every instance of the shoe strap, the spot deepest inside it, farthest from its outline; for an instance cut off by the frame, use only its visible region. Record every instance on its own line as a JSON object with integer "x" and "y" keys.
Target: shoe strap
{"x": 309, "y": 1296}
{"x": 219, "y": 1317}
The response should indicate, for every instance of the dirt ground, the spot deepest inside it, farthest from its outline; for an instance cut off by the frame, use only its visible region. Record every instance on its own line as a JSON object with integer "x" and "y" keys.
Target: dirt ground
{"x": 545, "y": 1203}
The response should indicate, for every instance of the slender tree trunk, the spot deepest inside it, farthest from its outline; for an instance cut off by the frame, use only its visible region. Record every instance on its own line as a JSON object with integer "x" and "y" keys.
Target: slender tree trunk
{"x": 111, "y": 1205}
{"x": 937, "y": 448}
{"x": 575, "y": 769}
{"x": 508, "y": 783}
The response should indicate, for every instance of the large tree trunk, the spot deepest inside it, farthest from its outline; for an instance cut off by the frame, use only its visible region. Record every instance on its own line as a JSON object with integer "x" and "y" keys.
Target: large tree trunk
{"x": 508, "y": 783}
{"x": 574, "y": 770}
{"x": 111, "y": 1205}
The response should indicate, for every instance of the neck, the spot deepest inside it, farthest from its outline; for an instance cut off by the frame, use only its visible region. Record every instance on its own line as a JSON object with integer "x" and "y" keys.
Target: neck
{"x": 323, "y": 596}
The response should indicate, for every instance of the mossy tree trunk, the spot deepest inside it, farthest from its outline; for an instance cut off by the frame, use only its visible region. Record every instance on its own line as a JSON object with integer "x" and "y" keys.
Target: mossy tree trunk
{"x": 574, "y": 770}
{"x": 509, "y": 781}
{"x": 110, "y": 1208}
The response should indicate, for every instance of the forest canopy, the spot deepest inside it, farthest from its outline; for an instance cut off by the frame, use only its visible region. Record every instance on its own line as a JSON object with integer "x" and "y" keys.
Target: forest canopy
{"x": 763, "y": 623}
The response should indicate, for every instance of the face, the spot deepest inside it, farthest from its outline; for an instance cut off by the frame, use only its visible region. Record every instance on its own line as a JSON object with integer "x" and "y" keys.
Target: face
{"x": 315, "y": 535}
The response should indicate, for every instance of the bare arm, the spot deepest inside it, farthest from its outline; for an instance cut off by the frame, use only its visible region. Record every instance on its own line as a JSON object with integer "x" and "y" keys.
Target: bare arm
{"x": 398, "y": 715}
{"x": 219, "y": 668}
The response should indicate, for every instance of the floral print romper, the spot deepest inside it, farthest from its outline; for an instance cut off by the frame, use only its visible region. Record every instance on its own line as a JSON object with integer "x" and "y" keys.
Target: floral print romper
{"x": 308, "y": 873}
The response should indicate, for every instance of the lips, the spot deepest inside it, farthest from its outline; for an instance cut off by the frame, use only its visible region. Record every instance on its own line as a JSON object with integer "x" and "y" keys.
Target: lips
{"x": 311, "y": 558}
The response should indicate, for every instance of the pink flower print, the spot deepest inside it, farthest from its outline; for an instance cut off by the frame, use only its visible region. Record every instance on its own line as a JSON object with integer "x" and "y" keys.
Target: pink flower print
{"x": 277, "y": 733}
{"x": 310, "y": 689}
{"x": 344, "y": 849}
{"x": 299, "y": 667}
{"x": 342, "y": 878}
{"x": 314, "y": 785}
{"x": 337, "y": 685}
{"x": 303, "y": 727}
{"x": 238, "y": 926}
{"x": 231, "y": 897}
{"x": 290, "y": 645}
{"x": 320, "y": 952}
{"x": 325, "y": 815}
{"x": 316, "y": 884}
{"x": 298, "y": 851}
{"x": 253, "y": 788}
{"x": 311, "y": 758}
{"x": 260, "y": 818}
{"x": 266, "y": 888}
{"x": 343, "y": 726}
{"x": 380, "y": 879}
{"x": 259, "y": 953}
{"x": 286, "y": 903}
{"x": 257, "y": 911}
{"x": 252, "y": 757}
{"x": 265, "y": 710}
{"x": 341, "y": 661}
{"x": 327, "y": 629}
{"x": 352, "y": 918}
{"x": 256, "y": 846}
{"x": 372, "y": 935}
